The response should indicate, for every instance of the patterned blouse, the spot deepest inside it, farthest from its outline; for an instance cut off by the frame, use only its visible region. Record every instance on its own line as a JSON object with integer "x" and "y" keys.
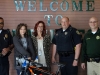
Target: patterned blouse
{"x": 46, "y": 48}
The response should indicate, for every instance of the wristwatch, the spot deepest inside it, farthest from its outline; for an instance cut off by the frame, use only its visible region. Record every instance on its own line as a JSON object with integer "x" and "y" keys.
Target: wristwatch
{"x": 76, "y": 59}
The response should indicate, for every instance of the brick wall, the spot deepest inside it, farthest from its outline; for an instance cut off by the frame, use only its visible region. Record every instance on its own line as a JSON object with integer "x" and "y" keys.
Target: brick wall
{"x": 78, "y": 19}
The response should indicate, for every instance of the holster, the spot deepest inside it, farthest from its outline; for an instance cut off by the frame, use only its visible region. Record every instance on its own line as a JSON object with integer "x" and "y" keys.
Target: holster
{"x": 97, "y": 60}
{"x": 1, "y": 55}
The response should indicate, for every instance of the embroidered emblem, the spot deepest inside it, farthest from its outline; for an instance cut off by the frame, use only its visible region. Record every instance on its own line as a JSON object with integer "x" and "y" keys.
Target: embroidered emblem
{"x": 97, "y": 37}
{"x": 6, "y": 36}
{"x": 66, "y": 33}
{"x": 78, "y": 32}
{"x": 87, "y": 38}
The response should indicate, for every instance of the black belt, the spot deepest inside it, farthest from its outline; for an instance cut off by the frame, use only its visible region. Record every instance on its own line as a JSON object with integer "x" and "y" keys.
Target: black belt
{"x": 65, "y": 53}
{"x": 93, "y": 60}
{"x": 1, "y": 55}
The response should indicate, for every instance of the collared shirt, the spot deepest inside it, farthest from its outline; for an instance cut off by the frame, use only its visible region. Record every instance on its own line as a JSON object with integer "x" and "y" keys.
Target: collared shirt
{"x": 66, "y": 40}
{"x": 0, "y": 31}
{"x": 94, "y": 32}
{"x": 5, "y": 41}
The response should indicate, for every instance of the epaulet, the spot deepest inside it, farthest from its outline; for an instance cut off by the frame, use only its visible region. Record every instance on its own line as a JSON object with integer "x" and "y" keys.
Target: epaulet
{"x": 99, "y": 30}
{"x": 7, "y": 30}
{"x": 57, "y": 30}
{"x": 71, "y": 28}
{"x": 89, "y": 31}
{"x": 74, "y": 29}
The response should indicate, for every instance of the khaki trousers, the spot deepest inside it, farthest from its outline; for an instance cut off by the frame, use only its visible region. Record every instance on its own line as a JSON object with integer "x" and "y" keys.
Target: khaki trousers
{"x": 93, "y": 68}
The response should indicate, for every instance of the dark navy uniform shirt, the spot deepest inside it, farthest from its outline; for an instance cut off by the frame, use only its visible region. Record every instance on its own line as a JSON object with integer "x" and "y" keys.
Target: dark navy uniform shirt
{"x": 5, "y": 41}
{"x": 66, "y": 40}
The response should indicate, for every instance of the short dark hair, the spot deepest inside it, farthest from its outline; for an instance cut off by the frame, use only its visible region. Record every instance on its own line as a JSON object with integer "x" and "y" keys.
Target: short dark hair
{"x": 2, "y": 19}
{"x": 18, "y": 30}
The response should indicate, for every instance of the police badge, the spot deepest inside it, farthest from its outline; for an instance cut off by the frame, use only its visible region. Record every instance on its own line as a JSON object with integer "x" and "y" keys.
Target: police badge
{"x": 97, "y": 37}
{"x": 56, "y": 34}
{"x": 6, "y": 36}
{"x": 66, "y": 33}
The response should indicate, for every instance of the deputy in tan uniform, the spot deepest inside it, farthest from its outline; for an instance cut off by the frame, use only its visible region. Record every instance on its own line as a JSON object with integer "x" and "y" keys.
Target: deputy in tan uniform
{"x": 91, "y": 48}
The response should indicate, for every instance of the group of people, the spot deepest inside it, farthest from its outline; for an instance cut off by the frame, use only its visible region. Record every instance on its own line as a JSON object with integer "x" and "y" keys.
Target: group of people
{"x": 66, "y": 42}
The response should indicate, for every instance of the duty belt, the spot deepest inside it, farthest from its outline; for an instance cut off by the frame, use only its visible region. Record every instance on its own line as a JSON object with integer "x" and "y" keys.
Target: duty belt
{"x": 93, "y": 60}
{"x": 65, "y": 53}
{"x": 1, "y": 55}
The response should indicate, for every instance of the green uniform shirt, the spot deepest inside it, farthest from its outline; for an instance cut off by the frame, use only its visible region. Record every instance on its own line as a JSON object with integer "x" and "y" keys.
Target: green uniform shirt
{"x": 91, "y": 45}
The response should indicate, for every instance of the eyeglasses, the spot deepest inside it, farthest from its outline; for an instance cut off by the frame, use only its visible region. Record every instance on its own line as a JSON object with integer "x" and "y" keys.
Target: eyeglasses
{"x": 2, "y": 23}
{"x": 93, "y": 22}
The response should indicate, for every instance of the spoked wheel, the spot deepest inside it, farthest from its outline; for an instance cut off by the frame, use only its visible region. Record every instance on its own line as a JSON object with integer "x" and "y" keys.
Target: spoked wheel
{"x": 59, "y": 67}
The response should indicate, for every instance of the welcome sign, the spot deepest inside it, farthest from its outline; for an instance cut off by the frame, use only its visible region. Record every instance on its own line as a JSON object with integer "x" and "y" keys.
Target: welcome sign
{"x": 54, "y": 5}
{"x": 63, "y": 5}
{"x": 49, "y": 11}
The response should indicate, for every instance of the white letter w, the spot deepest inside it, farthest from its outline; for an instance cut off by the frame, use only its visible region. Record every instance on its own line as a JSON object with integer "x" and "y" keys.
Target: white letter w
{"x": 19, "y": 4}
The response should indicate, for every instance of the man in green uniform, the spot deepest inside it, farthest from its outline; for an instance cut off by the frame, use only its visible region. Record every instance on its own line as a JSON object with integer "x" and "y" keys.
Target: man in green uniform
{"x": 91, "y": 48}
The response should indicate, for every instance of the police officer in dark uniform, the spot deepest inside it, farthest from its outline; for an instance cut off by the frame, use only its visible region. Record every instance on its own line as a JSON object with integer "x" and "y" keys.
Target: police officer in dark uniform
{"x": 6, "y": 45}
{"x": 91, "y": 48}
{"x": 67, "y": 42}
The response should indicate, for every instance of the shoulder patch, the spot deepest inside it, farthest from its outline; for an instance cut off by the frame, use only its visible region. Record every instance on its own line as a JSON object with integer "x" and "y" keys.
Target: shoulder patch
{"x": 6, "y": 35}
{"x": 97, "y": 37}
{"x": 77, "y": 32}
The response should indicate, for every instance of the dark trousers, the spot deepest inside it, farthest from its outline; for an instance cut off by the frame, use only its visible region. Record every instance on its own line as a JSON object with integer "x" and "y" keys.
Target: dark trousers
{"x": 4, "y": 69}
{"x": 18, "y": 71}
{"x": 68, "y": 69}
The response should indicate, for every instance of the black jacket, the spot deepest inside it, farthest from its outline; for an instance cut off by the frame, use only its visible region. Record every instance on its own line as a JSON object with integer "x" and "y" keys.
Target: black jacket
{"x": 19, "y": 49}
